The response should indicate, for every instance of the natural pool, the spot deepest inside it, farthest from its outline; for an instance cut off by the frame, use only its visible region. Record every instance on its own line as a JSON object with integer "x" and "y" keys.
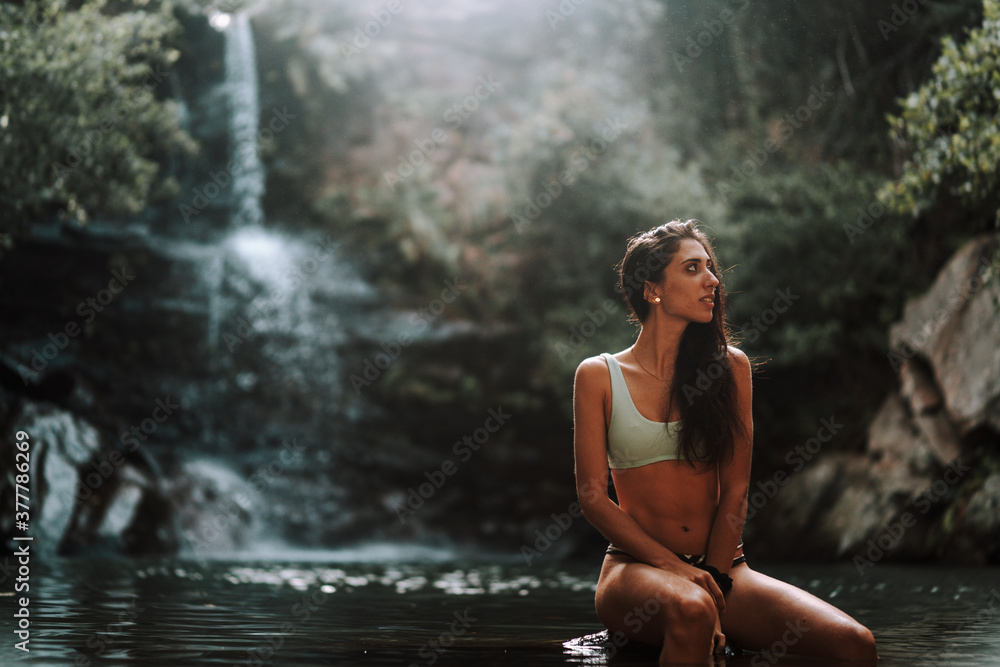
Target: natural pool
{"x": 331, "y": 608}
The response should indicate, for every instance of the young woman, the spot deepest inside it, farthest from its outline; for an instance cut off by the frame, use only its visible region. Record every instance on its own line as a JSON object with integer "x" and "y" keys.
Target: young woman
{"x": 671, "y": 417}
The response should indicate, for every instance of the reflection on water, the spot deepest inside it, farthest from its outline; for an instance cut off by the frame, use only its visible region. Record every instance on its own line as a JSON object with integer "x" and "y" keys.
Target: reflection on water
{"x": 329, "y": 609}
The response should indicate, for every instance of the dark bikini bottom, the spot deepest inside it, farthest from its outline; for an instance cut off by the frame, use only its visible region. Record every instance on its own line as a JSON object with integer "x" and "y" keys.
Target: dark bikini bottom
{"x": 690, "y": 559}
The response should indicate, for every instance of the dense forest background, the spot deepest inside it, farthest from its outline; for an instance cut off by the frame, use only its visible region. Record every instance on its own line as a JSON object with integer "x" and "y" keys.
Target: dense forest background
{"x": 838, "y": 154}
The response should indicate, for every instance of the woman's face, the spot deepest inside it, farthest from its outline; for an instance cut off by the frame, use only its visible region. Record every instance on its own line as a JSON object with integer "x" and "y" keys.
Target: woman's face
{"x": 687, "y": 290}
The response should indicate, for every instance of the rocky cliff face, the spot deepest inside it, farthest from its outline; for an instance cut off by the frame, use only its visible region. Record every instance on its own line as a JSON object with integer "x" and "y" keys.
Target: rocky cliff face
{"x": 928, "y": 483}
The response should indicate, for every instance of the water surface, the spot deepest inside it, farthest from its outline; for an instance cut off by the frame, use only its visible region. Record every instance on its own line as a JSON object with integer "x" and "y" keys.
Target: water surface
{"x": 329, "y": 609}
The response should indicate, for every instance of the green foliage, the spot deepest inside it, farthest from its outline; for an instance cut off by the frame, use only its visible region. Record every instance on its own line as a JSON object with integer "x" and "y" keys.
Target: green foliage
{"x": 82, "y": 124}
{"x": 821, "y": 235}
{"x": 952, "y": 126}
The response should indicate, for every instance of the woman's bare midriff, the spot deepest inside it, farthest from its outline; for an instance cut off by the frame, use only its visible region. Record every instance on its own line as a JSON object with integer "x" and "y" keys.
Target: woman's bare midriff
{"x": 673, "y": 502}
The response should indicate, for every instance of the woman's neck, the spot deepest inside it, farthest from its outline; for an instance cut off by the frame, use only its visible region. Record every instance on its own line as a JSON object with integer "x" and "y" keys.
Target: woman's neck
{"x": 657, "y": 345}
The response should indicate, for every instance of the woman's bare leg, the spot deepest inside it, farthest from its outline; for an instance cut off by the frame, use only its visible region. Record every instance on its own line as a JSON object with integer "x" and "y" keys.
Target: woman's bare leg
{"x": 764, "y": 614}
{"x": 652, "y": 606}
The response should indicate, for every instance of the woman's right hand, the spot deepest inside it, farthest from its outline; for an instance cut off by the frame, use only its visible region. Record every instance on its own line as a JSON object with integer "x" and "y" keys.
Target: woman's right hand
{"x": 698, "y": 577}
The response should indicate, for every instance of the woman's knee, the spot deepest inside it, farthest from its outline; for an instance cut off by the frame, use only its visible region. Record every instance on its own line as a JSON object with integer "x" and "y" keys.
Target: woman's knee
{"x": 857, "y": 643}
{"x": 691, "y": 614}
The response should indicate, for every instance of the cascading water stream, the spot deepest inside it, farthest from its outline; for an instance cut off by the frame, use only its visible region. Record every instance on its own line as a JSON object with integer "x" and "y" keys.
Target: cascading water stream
{"x": 244, "y": 116}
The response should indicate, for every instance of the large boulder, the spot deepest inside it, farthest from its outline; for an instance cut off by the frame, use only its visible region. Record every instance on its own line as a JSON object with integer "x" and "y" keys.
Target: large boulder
{"x": 926, "y": 485}
{"x": 954, "y": 330}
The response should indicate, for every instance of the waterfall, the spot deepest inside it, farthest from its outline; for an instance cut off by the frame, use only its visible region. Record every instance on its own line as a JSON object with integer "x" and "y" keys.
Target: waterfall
{"x": 244, "y": 116}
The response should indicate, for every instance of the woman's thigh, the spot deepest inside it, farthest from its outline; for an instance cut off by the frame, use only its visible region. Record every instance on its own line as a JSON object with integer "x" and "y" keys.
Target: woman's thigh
{"x": 640, "y": 600}
{"x": 765, "y": 614}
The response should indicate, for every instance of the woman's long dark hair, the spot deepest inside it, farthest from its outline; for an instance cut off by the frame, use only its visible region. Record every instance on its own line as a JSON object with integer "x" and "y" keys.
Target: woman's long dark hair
{"x": 703, "y": 384}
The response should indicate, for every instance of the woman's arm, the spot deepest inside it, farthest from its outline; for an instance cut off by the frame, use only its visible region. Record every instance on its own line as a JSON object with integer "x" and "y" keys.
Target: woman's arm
{"x": 734, "y": 475}
{"x": 591, "y": 395}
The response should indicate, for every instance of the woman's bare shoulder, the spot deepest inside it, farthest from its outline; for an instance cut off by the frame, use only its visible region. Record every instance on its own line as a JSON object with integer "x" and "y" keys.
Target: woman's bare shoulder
{"x": 740, "y": 360}
{"x": 592, "y": 373}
